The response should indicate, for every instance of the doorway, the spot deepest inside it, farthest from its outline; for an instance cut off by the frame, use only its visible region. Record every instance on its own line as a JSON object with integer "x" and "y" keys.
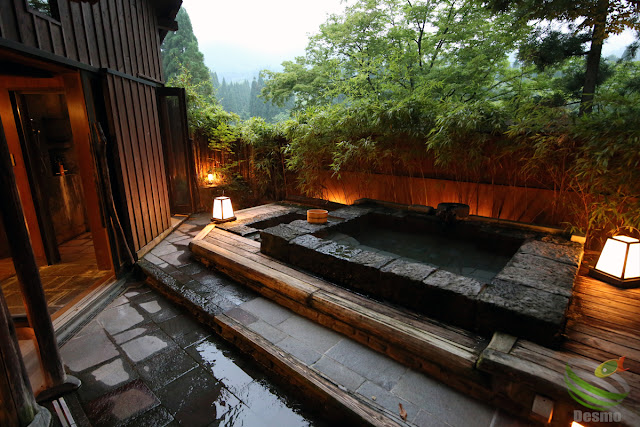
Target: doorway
{"x": 46, "y": 140}
{"x": 49, "y": 175}
{"x": 177, "y": 149}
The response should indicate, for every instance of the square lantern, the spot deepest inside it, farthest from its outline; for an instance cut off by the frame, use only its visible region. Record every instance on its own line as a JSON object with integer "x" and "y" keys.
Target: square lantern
{"x": 222, "y": 210}
{"x": 619, "y": 262}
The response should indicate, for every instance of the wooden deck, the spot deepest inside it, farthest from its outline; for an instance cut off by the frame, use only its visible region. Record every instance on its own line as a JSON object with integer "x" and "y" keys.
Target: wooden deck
{"x": 603, "y": 323}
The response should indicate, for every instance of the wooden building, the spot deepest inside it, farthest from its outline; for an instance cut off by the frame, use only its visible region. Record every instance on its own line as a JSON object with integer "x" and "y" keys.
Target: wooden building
{"x": 96, "y": 143}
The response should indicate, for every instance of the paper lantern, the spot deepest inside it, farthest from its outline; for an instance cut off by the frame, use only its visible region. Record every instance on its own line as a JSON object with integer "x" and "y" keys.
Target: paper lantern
{"x": 222, "y": 210}
{"x": 619, "y": 262}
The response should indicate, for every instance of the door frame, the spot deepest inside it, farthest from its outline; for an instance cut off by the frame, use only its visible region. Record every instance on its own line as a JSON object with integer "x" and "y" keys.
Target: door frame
{"x": 36, "y": 180}
{"x": 70, "y": 84}
{"x": 180, "y": 94}
{"x": 9, "y": 84}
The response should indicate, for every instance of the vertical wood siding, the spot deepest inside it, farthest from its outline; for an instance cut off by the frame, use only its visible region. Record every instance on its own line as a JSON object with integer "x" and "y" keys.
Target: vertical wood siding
{"x": 118, "y": 34}
{"x": 135, "y": 128}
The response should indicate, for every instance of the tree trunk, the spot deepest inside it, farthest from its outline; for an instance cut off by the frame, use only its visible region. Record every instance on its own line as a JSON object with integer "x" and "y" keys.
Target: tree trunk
{"x": 593, "y": 58}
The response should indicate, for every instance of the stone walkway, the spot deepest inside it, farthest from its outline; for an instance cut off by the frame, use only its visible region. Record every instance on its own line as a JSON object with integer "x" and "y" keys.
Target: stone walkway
{"x": 354, "y": 368}
{"x": 145, "y": 362}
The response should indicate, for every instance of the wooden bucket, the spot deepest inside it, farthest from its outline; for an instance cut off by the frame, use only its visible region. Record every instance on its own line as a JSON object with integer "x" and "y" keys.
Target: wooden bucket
{"x": 317, "y": 216}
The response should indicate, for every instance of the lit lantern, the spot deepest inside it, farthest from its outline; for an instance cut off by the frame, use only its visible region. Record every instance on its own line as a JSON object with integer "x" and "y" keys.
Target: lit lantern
{"x": 210, "y": 178}
{"x": 222, "y": 210}
{"x": 619, "y": 262}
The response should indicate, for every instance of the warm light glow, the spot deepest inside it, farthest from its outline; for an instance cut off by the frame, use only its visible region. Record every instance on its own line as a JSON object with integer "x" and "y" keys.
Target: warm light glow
{"x": 633, "y": 261}
{"x": 617, "y": 251}
{"x": 576, "y": 424}
{"x": 222, "y": 209}
{"x": 210, "y": 178}
{"x": 611, "y": 260}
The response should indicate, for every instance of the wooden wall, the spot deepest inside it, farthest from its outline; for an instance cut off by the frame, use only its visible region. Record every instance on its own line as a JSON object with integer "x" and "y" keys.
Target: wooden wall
{"x": 532, "y": 205}
{"x": 134, "y": 125}
{"x": 121, "y": 38}
{"x": 122, "y": 35}
{"x": 217, "y": 162}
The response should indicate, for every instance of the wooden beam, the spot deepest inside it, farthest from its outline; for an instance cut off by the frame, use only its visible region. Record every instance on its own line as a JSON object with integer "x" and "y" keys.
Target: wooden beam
{"x": 76, "y": 104}
{"x": 167, "y": 24}
{"x": 236, "y": 257}
{"x": 20, "y": 171}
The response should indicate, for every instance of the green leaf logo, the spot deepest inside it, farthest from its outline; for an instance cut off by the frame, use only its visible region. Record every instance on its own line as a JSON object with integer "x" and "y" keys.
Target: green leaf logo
{"x": 591, "y": 391}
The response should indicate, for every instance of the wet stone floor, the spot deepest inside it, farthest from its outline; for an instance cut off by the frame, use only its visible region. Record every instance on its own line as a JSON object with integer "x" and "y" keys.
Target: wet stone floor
{"x": 144, "y": 362}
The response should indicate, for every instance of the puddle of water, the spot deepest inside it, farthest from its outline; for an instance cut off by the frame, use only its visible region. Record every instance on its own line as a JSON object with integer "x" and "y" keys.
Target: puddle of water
{"x": 262, "y": 402}
{"x": 223, "y": 368}
{"x": 112, "y": 373}
{"x": 151, "y": 306}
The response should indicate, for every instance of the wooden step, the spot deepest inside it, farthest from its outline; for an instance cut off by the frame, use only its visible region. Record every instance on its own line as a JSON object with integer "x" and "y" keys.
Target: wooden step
{"x": 422, "y": 343}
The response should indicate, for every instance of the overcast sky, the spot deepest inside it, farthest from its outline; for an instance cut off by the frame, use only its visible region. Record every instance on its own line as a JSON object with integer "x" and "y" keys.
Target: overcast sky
{"x": 241, "y": 37}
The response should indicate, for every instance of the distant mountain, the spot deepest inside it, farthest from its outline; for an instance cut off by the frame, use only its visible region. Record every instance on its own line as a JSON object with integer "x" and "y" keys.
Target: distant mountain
{"x": 234, "y": 63}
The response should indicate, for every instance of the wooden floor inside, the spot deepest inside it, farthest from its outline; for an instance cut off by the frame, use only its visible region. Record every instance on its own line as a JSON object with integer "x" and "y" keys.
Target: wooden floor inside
{"x": 603, "y": 323}
{"x": 64, "y": 282}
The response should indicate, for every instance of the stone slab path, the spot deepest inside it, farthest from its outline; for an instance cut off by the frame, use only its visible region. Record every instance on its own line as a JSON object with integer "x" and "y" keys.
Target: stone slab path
{"x": 356, "y": 369}
{"x": 145, "y": 362}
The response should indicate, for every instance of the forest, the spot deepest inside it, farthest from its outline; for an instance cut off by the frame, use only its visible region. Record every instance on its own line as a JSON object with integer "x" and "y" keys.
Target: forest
{"x": 515, "y": 92}
{"x": 244, "y": 99}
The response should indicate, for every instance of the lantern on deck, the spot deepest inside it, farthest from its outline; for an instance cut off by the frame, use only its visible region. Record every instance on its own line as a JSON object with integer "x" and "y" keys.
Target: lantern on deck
{"x": 210, "y": 178}
{"x": 619, "y": 262}
{"x": 222, "y": 210}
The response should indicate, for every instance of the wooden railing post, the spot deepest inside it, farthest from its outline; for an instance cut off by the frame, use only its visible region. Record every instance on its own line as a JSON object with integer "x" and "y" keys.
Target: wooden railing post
{"x": 18, "y": 407}
{"x": 30, "y": 282}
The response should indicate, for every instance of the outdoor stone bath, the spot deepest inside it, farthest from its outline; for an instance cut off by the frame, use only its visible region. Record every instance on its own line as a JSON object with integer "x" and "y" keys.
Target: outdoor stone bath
{"x": 496, "y": 276}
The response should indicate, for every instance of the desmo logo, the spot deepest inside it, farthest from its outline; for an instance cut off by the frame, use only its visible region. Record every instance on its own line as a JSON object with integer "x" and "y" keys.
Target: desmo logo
{"x": 597, "y": 387}
{"x": 596, "y": 417}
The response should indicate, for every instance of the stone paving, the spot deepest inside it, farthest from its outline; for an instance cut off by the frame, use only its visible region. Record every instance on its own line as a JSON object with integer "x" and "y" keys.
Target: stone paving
{"x": 145, "y": 362}
{"x": 355, "y": 368}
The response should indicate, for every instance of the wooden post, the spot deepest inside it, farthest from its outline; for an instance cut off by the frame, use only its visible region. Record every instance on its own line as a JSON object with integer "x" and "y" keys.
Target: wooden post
{"x": 18, "y": 407}
{"x": 79, "y": 121}
{"x": 29, "y": 278}
{"x": 17, "y": 401}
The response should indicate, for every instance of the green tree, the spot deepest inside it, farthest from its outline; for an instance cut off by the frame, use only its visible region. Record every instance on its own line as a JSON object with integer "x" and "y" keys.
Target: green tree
{"x": 599, "y": 18}
{"x": 390, "y": 73}
{"x": 214, "y": 80}
{"x": 206, "y": 116}
{"x": 180, "y": 49}
{"x": 384, "y": 50}
{"x": 391, "y": 85}
{"x": 234, "y": 97}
